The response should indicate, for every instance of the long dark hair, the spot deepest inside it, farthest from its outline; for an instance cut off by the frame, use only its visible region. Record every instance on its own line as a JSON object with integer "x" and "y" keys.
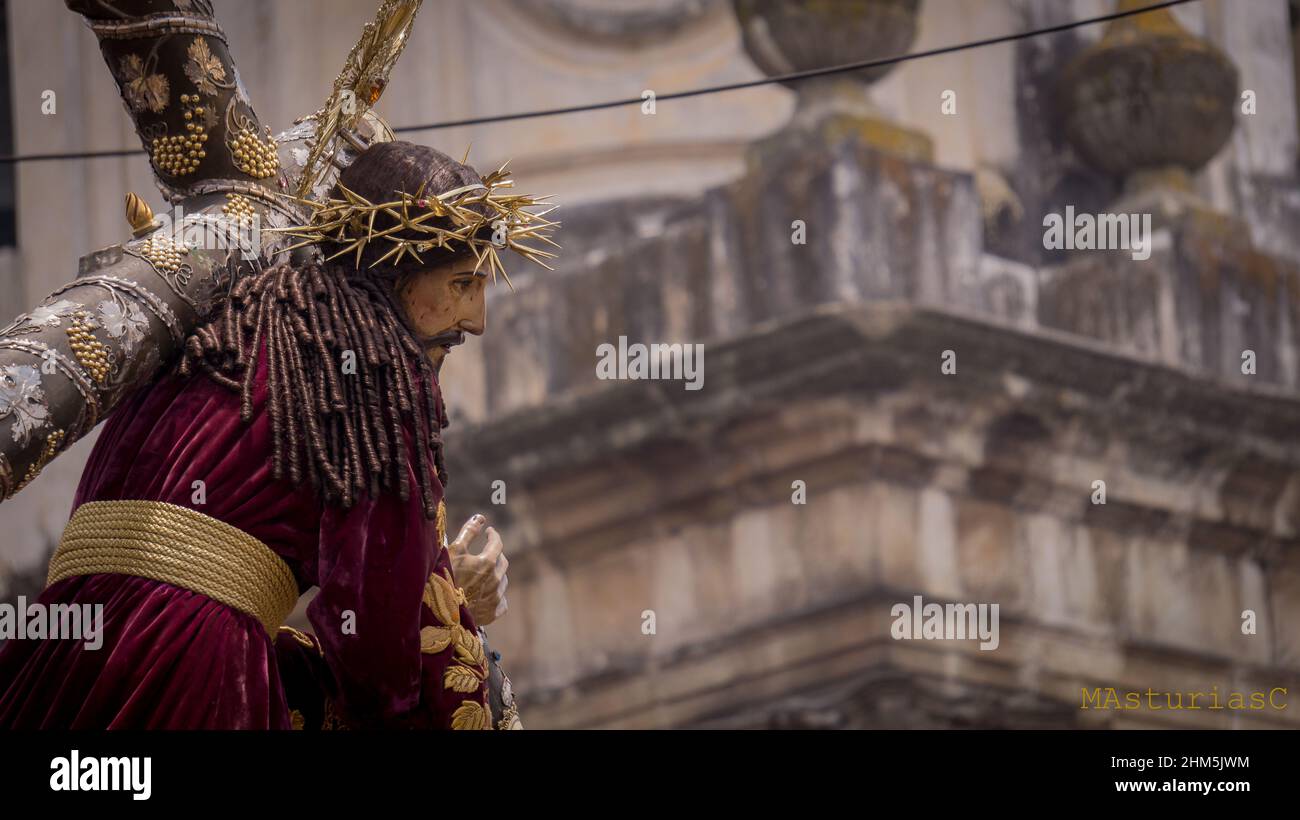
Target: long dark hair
{"x": 343, "y": 432}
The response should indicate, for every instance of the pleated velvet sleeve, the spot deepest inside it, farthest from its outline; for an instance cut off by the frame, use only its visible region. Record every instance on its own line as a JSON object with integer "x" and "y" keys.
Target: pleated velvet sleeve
{"x": 393, "y": 627}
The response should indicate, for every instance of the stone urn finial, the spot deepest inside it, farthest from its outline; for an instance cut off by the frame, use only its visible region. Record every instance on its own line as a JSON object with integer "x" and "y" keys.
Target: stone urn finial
{"x": 801, "y": 35}
{"x": 1149, "y": 102}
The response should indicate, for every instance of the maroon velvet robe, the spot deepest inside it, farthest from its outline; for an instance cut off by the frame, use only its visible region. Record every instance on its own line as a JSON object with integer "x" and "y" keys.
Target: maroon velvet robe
{"x": 172, "y": 658}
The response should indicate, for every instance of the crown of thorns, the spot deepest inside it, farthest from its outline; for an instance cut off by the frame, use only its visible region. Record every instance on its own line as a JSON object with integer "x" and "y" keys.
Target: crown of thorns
{"x": 464, "y": 214}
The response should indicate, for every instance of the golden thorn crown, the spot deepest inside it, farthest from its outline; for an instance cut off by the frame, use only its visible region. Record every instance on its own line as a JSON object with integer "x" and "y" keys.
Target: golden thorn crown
{"x": 463, "y": 214}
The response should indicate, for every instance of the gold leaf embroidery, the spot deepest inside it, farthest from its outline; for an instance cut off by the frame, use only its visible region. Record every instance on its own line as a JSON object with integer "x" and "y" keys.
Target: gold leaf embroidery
{"x": 461, "y": 679}
{"x": 471, "y": 715}
{"x": 296, "y": 720}
{"x": 469, "y": 649}
{"x": 461, "y": 600}
{"x": 469, "y": 670}
{"x": 440, "y": 597}
{"x": 441, "y": 524}
{"x": 203, "y": 68}
{"x": 143, "y": 90}
{"x": 434, "y": 639}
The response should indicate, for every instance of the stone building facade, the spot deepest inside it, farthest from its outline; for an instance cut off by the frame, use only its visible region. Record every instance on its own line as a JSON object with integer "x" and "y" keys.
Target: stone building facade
{"x": 945, "y": 395}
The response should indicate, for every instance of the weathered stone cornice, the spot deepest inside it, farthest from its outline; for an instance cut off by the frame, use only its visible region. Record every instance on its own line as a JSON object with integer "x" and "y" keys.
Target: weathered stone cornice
{"x": 1032, "y": 417}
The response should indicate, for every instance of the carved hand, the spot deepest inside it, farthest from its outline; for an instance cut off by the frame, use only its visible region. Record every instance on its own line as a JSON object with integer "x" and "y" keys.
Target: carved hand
{"x": 482, "y": 576}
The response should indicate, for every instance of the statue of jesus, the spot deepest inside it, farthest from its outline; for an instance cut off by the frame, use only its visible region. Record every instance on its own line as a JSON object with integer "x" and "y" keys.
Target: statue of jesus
{"x": 292, "y": 440}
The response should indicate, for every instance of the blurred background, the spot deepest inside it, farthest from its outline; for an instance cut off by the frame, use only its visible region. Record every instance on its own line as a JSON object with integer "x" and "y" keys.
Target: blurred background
{"x": 729, "y": 557}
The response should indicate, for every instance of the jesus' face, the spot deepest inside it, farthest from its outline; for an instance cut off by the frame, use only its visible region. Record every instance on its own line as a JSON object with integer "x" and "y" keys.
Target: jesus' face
{"x": 444, "y": 303}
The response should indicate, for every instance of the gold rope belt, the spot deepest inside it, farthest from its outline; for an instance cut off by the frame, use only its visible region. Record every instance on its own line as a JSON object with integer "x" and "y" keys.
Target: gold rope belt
{"x": 178, "y": 546}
